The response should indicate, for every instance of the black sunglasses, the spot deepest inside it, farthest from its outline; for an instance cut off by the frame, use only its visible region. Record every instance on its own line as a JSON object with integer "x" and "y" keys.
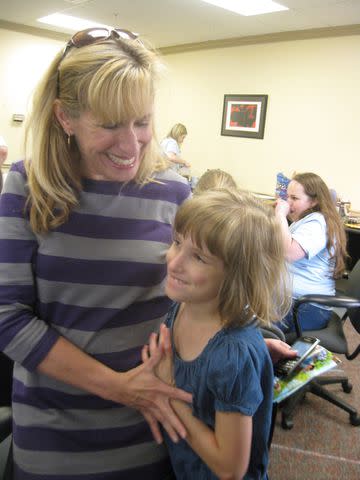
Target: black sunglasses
{"x": 90, "y": 36}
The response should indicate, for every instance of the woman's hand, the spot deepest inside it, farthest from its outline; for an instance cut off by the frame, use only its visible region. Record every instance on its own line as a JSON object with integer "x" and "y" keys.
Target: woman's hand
{"x": 142, "y": 389}
{"x": 161, "y": 352}
{"x": 158, "y": 355}
{"x": 279, "y": 349}
{"x": 282, "y": 207}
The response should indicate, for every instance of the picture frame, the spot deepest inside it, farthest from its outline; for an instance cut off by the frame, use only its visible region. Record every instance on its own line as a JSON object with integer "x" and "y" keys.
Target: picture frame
{"x": 244, "y": 115}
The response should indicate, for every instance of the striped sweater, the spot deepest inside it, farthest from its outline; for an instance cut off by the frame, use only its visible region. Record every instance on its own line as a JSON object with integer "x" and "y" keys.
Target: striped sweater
{"x": 97, "y": 280}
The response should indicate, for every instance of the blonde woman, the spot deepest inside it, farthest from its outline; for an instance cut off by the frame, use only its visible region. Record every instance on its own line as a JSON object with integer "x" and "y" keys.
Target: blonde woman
{"x": 3, "y": 157}
{"x": 171, "y": 146}
{"x": 88, "y": 220}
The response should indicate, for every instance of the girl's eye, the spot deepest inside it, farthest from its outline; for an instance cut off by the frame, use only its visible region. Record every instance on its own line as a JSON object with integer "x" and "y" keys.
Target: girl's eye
{"x": 199, "y": 258}
{"x": 176, "y": 242}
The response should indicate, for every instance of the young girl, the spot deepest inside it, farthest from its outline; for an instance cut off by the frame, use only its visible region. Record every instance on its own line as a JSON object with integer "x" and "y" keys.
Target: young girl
{"x": 226, "y": 271}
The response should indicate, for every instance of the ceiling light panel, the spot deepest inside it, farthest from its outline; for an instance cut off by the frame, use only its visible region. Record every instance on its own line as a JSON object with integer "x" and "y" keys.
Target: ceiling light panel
{"x": 248, "y": 7}
{"x": 69, "y": 22}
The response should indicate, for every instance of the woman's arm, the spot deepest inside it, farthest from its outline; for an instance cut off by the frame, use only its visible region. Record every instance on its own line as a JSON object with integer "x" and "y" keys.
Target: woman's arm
{"x": 176, "y": 159}
{"x": 293, "y": 250}
{"x": 138, "y": 388}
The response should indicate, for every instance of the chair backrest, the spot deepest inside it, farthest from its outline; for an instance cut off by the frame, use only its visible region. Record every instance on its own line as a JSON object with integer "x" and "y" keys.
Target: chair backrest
{"x": 6, "y": 370}
{"x": 353, "y": 290}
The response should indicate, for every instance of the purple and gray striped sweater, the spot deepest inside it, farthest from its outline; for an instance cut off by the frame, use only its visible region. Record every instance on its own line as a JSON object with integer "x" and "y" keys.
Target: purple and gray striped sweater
{"x": 98, "y": 281}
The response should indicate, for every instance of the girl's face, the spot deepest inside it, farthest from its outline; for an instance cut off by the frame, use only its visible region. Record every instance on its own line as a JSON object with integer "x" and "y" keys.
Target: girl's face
{"x": 298, "y": 201}
{"x": 194, "y": 274}
{"x": 110, "y": 152}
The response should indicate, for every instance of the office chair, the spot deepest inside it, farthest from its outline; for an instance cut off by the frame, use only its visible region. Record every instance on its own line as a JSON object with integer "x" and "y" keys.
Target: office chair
{"x": 331, "y": 337}
{"x": 6, "y": 367}
{"x": 276, "y": 334}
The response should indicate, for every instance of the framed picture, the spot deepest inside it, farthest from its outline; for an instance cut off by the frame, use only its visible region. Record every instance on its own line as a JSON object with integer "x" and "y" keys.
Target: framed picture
{"x": 244, "y": 115}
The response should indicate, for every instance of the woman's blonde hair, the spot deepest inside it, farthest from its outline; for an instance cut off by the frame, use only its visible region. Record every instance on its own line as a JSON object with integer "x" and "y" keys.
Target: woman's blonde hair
{"x": 177, "y": 131}
{"x": 114, "y": 80}
{"x": 214, "y": 178}
{"x": 244, "y": 233}
{"x": 316, "y": 189}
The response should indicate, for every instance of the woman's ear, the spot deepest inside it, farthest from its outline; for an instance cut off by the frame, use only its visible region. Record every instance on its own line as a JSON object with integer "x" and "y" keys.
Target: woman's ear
{"x": 62, "y": 117}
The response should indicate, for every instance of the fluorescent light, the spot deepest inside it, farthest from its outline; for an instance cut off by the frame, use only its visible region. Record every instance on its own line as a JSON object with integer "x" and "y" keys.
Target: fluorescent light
{"x": 248, "y": 7}
{"x": 69, "y": 22}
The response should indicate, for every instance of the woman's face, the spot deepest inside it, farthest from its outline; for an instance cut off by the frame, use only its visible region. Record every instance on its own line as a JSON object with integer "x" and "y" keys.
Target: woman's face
{"x": 298, "y": 201}
{"x": 181, "y": 138}
{"x": 111, "y": 151}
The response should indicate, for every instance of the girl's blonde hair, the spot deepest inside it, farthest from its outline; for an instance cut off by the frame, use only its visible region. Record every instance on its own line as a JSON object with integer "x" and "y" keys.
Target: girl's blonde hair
{"x": 114, "y": 80}
{"x": 244, "y": 233}
{"x": 315, "y": 188}
{"x": 177, "y": 131}
{"x": 214, "y": 178}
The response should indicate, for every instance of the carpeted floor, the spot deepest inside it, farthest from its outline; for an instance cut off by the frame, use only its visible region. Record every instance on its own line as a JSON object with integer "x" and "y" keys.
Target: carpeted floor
{"x": 322, "y": 445}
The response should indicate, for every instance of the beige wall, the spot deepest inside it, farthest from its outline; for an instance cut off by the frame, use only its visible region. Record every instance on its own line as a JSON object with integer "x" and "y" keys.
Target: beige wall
{"x": 24, "y": 58}
{"x": 312, "y": 121}
{"x": 312, "y": 117}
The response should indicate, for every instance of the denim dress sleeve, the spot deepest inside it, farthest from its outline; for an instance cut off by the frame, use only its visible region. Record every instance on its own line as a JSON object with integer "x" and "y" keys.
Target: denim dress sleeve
{"x": 234, "y": 377}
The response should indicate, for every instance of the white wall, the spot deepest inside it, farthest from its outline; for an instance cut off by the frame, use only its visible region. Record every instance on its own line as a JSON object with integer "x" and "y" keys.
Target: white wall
{"x": 312, "y": 121}
{"x": 24, "y": 58}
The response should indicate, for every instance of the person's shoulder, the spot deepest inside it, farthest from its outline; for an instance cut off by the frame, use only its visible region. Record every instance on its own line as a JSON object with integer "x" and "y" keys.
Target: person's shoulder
{"x": 170, "y": 175}
{"x": 311, "y": 218}
{"x": 18, "y": 166}
{"x": 315, "y": 217}
{"x": 229, "y": 344}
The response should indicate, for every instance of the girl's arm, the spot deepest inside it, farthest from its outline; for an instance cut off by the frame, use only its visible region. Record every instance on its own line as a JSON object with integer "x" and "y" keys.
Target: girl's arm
{"x": 226, "y": 450}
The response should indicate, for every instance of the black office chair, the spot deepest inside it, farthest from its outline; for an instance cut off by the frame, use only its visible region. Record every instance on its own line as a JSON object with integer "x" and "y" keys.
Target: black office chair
{"x": 276, "y": 334}
{"x": 6, "y": 368}
{"x": 332, "y": 337}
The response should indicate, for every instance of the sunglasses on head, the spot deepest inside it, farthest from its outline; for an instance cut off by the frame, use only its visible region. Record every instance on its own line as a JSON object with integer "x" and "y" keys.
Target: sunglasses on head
{"x": 92, "y": 35}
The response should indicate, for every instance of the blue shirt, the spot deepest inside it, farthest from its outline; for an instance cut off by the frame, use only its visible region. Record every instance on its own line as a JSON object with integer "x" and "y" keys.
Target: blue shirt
{"x": 233, "y": 373}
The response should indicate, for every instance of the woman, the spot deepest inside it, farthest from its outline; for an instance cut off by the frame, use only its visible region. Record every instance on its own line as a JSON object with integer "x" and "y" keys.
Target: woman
{"x": 88, "y": 222}
{"x": 214, "y": 178}
{"x": 315, "y": 245}
{"x": 3, "y": 157}
{"x": 172, "y": 143}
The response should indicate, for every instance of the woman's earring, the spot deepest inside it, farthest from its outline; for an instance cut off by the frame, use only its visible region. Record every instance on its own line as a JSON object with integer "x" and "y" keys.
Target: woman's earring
{"x": 69, "y": 139}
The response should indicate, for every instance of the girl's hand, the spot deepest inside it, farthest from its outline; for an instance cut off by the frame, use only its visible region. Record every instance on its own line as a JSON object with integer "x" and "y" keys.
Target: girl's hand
{"x": 159, "y": 349}
{"x": 279, "y": 349}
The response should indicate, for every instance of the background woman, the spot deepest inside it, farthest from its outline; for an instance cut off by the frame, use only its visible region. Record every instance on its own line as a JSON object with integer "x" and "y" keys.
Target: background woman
{"x": 3, "y": 157}
{"x": 88, "y": 222}
{"x": 214, "y": 178}
{"x": 171, "y": 145}
{"x": 315, "y": 244}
